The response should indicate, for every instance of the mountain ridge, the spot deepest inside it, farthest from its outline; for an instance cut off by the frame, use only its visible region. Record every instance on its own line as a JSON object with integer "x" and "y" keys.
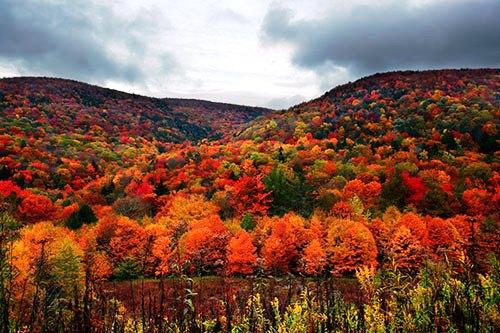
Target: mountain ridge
{"x": 169, "y": 119}
{"x": 175, "y": 100}
{"x": 367, "y": 100}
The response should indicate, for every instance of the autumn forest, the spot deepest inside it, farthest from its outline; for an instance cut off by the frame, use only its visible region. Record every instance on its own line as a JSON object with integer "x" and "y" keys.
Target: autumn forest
{"x": 373, "y": 208}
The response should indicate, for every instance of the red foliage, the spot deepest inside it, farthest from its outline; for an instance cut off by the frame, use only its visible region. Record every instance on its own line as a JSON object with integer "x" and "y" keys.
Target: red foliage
{"x": 132, "y": 156}
{"x": 342, "y": 209}
{"x": 144, "y": 189}
{"x": 249, "y": 195}
{"x": 415, "y": 186}
{"x": 8, "y": 187}
{"x": 36, "y": 207}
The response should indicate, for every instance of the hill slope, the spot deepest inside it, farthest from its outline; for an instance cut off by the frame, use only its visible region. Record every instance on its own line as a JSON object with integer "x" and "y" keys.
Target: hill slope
{"x": 64, "y": 106}
{"x": 393, "y": 168}
{"x": 454, "y": 108}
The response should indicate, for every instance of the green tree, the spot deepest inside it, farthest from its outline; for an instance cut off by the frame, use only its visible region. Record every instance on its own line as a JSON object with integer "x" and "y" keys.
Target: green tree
{"x": 393, "y": 192}
{"x": 247, "y": 222}
{"x": 127, "y": 269}
{"x": 84, "y": 215}
{"x": 289, "y": 194}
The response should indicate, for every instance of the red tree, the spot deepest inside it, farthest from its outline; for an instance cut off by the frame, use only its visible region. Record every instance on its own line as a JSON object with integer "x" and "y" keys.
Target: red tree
{"x": 36, "y": 207}
{"x": 249, "y": 195}
{"x": 415, "y": 186}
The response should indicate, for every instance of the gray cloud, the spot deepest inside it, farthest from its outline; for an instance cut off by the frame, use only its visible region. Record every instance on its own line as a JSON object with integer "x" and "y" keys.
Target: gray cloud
{"x": 71, "y": 39}
{"x": 396, "y": 35}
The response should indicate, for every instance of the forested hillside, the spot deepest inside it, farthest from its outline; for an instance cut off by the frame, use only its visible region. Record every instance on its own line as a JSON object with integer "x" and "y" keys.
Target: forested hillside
{"x": 393, "y": 171}
{"x": 387, "y": 159}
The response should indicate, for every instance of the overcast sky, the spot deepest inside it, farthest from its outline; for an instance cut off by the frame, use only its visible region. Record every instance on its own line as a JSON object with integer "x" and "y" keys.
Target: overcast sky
{"x": 255, "y": 52}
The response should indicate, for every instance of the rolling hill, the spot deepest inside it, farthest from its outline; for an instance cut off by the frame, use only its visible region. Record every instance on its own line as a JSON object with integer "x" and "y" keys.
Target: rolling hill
{"x": 449, "y": 107}
{"x": 59, "y": 106}
{"x": 397, "y": 166}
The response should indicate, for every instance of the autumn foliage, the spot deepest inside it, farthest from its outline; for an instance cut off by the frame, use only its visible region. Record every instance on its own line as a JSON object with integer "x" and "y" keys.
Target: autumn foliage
{"x": 241, "y": 254}
{"x": 392, "y": 170}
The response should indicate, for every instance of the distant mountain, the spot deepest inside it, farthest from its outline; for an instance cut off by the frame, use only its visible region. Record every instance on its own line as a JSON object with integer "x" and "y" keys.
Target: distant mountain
{"x": 66, "y": 106}
{"x": 223, "y": 118}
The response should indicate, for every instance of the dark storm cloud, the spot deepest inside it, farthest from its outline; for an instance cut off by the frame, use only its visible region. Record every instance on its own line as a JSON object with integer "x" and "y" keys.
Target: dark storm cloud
{"x": 69, "y": 39}
{"x": 392, "y": 36}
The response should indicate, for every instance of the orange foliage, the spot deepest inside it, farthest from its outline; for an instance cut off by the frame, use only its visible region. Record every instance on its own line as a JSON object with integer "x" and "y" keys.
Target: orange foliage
{"x": 369, "y": 193}
{"x": 467, "y": 227}
{"x": 183, "y": 210}
{"x": 416, "y": 225}
{"x": 443, "y": 237}
{"x": 281, "y": 250}
{"x": 314, "y": 258}
{"x": 328, "y": 153}
{"x": 203, "y": 247}
{"x": 241, "y": 254}
{"x": 316, "y": 229}
{"x": 160, "y": 251}
{"x": 405, "y": 250}
{"x": 350, "y": 245}
{"x": 381, "y": 233}
{"x": 100, "y": 267}
{"x": 36, "y": 240}
{"x": 477, "y": 201}
{"x": 120, "y": 237}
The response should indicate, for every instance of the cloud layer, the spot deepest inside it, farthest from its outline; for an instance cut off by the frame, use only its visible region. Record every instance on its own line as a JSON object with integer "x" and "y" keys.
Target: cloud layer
{"x": 77, "y": 39}
{"x": 219, "y": 50}
{"x": 393, "y": 35}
